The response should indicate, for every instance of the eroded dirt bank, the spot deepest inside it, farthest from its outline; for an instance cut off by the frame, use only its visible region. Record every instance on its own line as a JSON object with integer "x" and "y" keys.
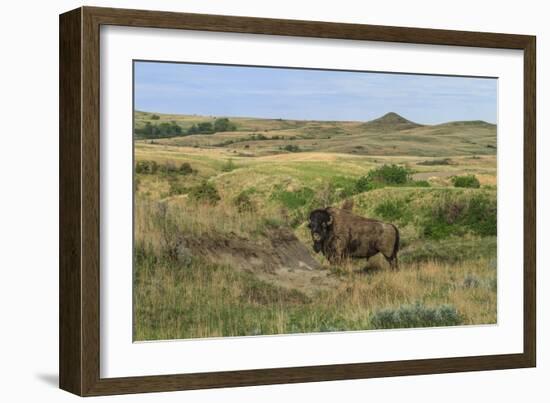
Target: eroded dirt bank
{"x": 279, "y": 258}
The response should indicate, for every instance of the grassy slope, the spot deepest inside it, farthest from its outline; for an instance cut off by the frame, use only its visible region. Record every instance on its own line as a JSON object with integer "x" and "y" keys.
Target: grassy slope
{"x": 176, "y": 299}
{"x": 379, "y": 137}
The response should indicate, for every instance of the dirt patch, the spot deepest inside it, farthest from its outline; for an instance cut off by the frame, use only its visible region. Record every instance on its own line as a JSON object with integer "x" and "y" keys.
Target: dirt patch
{"x": 278, "y": 258}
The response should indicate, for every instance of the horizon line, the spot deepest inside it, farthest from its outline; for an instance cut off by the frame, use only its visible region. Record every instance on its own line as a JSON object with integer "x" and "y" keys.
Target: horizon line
{"x": 315, "y": 120}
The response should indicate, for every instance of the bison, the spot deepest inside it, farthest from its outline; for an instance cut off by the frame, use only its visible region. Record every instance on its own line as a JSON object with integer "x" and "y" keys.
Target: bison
{"x": 338, "y": 234}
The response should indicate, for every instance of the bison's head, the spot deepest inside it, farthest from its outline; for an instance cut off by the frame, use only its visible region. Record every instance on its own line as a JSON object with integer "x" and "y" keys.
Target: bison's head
{"x": 320, "y": 223}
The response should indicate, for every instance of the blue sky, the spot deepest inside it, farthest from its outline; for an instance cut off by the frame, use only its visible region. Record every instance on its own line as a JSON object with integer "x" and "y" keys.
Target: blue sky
{"x": 310, "y": 94}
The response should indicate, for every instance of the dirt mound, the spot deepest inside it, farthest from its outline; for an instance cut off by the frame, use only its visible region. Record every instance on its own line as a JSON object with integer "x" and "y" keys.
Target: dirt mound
{"x": 278, "y": 258}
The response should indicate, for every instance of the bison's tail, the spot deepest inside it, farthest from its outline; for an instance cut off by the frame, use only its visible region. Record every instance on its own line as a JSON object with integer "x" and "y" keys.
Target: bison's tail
{"x": 396, "y": 244}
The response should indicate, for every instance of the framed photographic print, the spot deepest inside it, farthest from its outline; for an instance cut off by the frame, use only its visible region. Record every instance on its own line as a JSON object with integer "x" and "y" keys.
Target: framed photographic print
{"x": 249, "y": 201}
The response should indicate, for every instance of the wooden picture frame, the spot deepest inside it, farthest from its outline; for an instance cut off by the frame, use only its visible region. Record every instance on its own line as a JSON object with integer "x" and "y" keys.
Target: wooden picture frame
{"x": 79, "y": 346}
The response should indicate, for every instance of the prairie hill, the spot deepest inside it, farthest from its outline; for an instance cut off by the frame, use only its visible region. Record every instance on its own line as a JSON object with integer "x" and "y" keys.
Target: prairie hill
{"x": 390, "y": 122}
{"x": 390, "y": 134}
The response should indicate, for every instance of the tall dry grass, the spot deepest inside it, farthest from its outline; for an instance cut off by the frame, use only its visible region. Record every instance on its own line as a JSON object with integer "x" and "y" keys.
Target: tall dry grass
{"x": 193, "y": 298}
{"x": 189, "y": 298}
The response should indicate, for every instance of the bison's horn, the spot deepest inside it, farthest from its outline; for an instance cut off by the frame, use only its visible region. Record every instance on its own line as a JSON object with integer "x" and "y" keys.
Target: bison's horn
{"x": 330, "y": 220}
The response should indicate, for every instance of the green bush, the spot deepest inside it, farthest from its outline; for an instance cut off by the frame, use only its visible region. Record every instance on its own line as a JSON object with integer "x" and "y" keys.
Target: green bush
{"x": 176, "y": 188}
{"x": 169, "y": 168}
{"x": 201, "y": 128}
{"x": 481, "y": 217}
{"x": 185, "y": 169}
{"x": 466, "y": 181}
{"x": 393, "y": 209}
{"x": 390, "y": 175}
{"x": 205, "y": 193}
{"x": 155, "y": 117}
{"x": 205, "y": 127}
{"x": 364, "y": 184}
{"x": 416, "y": 315}
{"x": 224, "y": 125}
{"x": 161, "y": 130}
{"x": 387, "y": 175}
{"x": 292, "y": 148}
{"x": 455, "y": 215}
{"x": 146, "y": 167}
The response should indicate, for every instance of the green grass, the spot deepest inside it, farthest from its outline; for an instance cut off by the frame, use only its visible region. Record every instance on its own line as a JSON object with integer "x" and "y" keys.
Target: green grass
{"x": 240, "y": 185}
{"x": 294, "y": 199}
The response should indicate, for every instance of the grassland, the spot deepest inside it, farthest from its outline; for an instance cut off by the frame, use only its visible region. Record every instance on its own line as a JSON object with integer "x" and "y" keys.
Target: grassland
{"x": 221, "y": 247}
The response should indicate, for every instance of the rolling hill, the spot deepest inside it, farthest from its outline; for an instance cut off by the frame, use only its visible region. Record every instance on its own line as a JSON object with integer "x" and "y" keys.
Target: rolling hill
{"x": 390, "y": 134}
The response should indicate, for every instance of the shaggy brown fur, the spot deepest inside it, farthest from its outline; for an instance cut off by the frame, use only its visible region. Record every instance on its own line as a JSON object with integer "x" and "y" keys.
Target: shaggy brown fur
{"x": 339, "y": 234}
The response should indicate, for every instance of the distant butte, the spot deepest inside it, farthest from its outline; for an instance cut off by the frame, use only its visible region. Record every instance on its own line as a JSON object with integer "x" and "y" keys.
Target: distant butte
{"x": 389, "y": 122}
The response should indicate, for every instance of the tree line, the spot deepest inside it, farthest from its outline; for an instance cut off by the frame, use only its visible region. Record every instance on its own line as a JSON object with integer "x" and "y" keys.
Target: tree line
{"x": 171, "y": 129}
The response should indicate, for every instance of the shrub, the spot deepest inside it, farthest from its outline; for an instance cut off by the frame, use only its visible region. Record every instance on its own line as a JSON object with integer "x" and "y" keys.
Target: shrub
{"x": 456, "y": 216}
{"x": 390, "y": 175}
{"x": 435, "y": 229}
{"x": 205, "y": 127}
{"x": 168, "y": 168}
{"x": 185, "y": 169}
{"x": 364, "y": 184}
{"x": 155, "y": 117}
{"x": 176, "y": 188}
{"x": 391, "y": 209}
{"x": 244, "y": 203}
{"x": 443, "y": 219}
{"x": 146, "y": 167}
{"x": 193, "y": 129}
{"x": 201, "y": 128}
{"x": 466, "y": 181}
{"x": 416, "y": 315}
{"x": 258, "y": 136}
{"x": 481, "y": 217}
{"x": 444, "y": 161}
{"x": 154, "y": 131}
{"x": 223, "y": 125}
{"x": 292, "y": 148}
{"x": 205, "y": 193}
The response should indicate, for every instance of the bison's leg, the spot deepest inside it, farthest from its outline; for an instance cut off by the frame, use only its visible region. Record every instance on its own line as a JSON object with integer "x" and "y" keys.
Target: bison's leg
{"x": 394, "y": 265}
{"x": 336, "y": 259}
